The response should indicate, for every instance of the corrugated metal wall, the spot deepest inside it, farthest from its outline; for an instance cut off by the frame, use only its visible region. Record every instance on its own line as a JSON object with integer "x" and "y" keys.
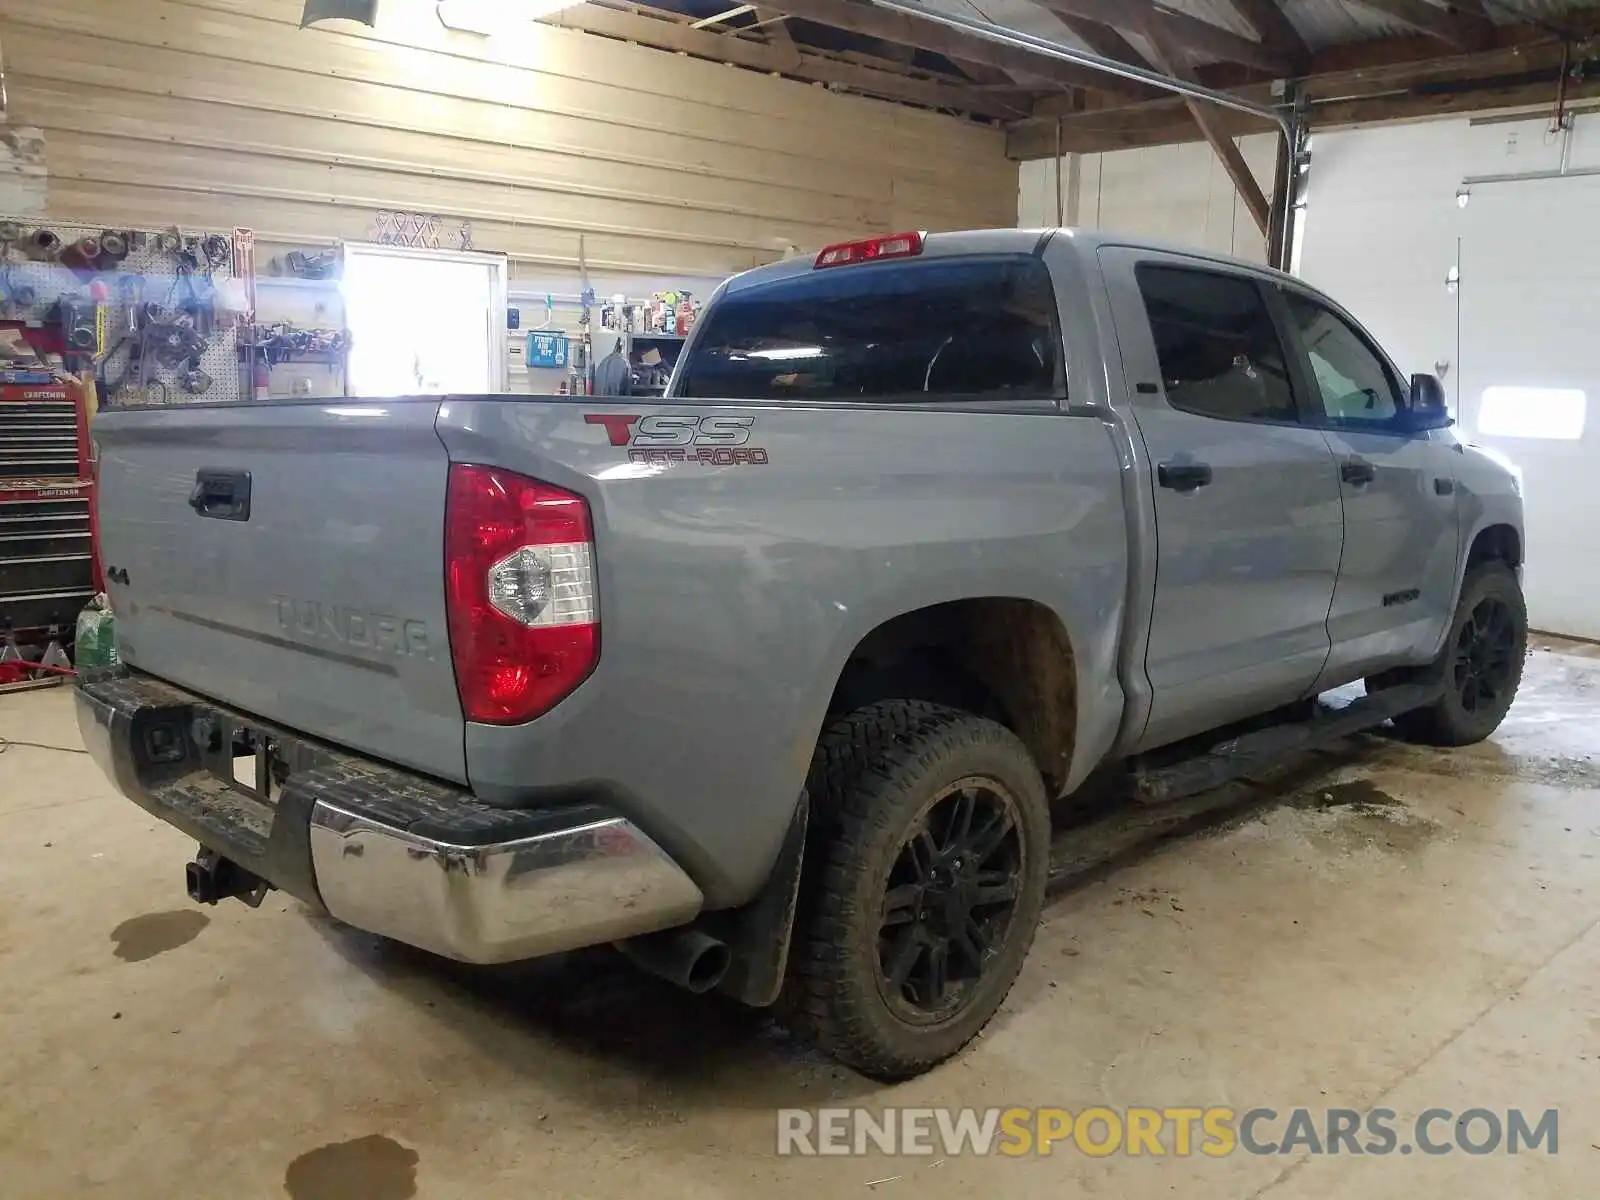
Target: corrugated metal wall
{"x": 214, "y": 113}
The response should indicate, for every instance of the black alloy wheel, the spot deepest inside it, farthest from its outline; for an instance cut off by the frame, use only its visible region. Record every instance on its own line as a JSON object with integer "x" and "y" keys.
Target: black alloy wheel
{"x": 949, "y": 900}
{"x": 927, "y": 855}
{"x": 1486, "y": 651}
{"x": 1478, "y": 668}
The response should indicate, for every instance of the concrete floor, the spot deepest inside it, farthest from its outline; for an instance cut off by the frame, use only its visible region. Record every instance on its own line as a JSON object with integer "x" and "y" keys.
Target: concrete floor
{"x": 1388, "y": 926}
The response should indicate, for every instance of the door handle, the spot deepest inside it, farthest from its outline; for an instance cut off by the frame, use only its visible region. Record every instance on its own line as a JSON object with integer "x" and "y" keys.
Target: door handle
{"x": 1183, "y": 477}
{"x": 1444, "y": 487}
{"x": 1357, "y": 470}
{"x": 224, "y": 495}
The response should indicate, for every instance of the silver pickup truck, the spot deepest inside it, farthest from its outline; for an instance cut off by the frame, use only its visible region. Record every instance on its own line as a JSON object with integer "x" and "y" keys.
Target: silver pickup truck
{"x": 772, "y": 682}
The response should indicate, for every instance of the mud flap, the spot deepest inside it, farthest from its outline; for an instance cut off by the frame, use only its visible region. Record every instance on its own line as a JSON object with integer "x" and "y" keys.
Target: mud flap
{"x": 760, "y": 932}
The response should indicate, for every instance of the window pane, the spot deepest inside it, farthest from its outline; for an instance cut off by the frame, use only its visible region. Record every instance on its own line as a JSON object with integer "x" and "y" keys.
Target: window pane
{"x": 911, "y": 331}
{"x": 1219, "y": 352}
{"x": 1355, "y": 386}
{"x": 1533, "y": 412}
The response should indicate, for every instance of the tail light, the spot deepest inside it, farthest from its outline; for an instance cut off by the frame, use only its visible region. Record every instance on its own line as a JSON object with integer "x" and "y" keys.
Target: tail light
{"x": 895, "y": 245}
{"x": 520, "y": 593}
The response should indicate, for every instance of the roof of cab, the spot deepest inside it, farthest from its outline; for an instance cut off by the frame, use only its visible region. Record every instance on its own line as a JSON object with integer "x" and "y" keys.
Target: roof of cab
{"x": 994, "y": 241}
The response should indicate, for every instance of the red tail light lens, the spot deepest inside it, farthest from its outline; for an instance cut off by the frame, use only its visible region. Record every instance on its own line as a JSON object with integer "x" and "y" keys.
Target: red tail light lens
{"x": 520, "y": 592}
{"x": 895, "y": 245}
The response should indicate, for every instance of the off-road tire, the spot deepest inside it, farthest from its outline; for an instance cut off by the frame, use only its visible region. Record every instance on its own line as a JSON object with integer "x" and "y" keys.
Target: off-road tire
{"x": 874, "y": 774}
{"x": 1448, "y": 721}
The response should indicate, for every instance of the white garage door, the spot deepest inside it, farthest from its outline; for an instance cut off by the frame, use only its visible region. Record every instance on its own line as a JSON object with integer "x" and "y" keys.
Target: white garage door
{"x": 1518, "y": 339}
{"x": 1530, "y": 376}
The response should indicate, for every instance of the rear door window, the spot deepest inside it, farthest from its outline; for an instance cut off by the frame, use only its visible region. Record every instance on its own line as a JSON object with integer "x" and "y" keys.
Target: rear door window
{"x": 930, "y": 330}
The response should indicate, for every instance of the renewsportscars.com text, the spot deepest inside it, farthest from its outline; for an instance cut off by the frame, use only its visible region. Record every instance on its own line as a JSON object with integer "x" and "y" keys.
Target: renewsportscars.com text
{"x": 1178, "y": 1132}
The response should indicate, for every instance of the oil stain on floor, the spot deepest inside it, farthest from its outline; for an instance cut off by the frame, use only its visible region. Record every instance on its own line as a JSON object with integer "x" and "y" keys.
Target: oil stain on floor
{"x": 139, "y": 938}
{"x": 372, "y": 1168}
{"x": 1358, "y": 815}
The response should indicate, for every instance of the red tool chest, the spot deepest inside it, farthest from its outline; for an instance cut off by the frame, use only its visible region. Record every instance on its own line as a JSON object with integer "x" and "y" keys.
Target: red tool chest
{"x": 47, "y": 571}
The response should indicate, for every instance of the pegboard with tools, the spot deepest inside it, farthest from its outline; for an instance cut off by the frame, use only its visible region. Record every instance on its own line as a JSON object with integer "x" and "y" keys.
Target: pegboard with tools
{"x": 153, "y": 313}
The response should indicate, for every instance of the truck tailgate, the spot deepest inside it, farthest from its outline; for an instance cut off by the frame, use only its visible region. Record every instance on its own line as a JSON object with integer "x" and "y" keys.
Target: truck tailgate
{"x": 288, "y": 559}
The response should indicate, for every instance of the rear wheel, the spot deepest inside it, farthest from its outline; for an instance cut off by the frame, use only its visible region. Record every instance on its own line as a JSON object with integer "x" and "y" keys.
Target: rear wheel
{"x": 1480, "y": 665}
{"x": 924, "y": 885}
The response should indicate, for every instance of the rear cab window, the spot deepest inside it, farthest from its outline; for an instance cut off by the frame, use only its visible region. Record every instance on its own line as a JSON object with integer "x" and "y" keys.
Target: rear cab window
{"x": 980, "y": 327}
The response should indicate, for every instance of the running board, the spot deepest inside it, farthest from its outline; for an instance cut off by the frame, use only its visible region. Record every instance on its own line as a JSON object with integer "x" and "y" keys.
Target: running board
{"x": 1264, "y": 748}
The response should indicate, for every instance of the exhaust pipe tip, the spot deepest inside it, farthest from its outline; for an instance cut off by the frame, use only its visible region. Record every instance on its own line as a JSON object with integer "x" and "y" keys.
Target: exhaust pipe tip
{"x": 708, "y": 967}
{"x": 693, "y": 960}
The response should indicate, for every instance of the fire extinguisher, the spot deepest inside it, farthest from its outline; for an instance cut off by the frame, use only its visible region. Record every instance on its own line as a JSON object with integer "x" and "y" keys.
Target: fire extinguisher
{"x": 261, "y": 377}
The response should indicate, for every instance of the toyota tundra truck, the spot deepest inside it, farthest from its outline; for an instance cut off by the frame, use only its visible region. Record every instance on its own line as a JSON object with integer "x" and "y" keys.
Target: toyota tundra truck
{"x": 773, "y": 681}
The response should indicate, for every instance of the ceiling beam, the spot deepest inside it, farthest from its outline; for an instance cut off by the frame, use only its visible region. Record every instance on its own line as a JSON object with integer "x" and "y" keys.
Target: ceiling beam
{"x": 667, "y": 34}
{"x": 1456, "y": 24}
{"x": 1412, "y": 106}
{"x": 1125, "y": 127}
{"x": 868, "y": 21}
{"x": 1105, "y": 41}
{"x": 982, "y": 72}
{"x": 1435, "y": 73}
{"x": 776, "y": 28}
{"x": 1511, "y": 77}
{"x": 1191, "y": 33}
{"x": 1168, "y": 56}
{"x": 897, "y": 52}
{"x": 1273, "y": 27}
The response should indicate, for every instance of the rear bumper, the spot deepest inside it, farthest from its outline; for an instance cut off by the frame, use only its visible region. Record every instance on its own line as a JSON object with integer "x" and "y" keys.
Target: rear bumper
{"x": 380, "y": 848}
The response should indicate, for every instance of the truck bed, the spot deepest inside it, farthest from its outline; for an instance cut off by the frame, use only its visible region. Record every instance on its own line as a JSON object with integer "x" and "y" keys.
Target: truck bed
{"x": 740, "y": 552}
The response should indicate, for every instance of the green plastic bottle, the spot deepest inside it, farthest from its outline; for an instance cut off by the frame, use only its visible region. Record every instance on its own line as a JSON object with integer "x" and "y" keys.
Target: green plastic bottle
{"x": 97, "y": 636}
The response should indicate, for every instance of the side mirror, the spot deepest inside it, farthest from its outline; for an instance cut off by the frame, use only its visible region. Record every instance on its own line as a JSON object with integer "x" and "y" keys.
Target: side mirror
{"x": 1428, "y": 409}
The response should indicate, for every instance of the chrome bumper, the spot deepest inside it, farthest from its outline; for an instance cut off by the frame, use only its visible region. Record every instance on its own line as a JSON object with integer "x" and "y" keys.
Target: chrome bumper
{"x": 380, "y": 848}
{"x": 598, "y": 882}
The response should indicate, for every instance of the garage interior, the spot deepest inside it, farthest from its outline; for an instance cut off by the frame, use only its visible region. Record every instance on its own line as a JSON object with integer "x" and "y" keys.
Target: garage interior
{"x": 276, "y": 200}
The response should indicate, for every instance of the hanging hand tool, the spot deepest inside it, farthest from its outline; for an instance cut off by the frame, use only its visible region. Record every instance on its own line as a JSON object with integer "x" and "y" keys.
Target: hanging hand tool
{"x": 44, "y": 245}
{"x": 113, "y": 248}
{"x": 82, "y": 258}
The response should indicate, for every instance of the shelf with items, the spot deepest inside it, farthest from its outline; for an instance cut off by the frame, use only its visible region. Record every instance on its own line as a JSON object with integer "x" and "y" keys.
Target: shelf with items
{"x": 296, "y": 284}
{"x": 589, "y": 323}
{"x": 653, "y": 357}
{"x": 268, "y": 355}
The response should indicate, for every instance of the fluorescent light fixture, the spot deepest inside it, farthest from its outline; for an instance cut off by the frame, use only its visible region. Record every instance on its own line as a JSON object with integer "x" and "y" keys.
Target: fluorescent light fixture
{"x": 789, "y": 353}
{"x": 1533, "y": 412}
{"x": 316, "y": 11}
{"x": 486, "y": 18}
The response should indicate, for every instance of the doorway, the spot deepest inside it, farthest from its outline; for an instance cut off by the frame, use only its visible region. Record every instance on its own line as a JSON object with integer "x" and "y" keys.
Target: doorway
{"x": 424, "y": 322}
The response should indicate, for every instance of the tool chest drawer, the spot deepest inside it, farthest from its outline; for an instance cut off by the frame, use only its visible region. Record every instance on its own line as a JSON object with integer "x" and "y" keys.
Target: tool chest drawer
{"x": 46, "y": 554}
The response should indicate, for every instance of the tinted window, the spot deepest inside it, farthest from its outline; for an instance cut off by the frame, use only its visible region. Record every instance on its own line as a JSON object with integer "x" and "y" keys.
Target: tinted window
{"x": 1354, "y": 385}
{"x": 909, "y": 331}
{"x": 1219, "y": 351}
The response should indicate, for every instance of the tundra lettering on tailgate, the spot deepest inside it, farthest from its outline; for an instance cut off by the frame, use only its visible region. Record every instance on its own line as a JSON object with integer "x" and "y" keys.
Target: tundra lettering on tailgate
{"x": 311, "y": 620}
{"x": 665, "y": 438}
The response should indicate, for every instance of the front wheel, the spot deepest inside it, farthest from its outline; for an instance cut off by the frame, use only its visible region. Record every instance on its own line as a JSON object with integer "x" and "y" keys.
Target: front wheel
{"x": 931, "y": 853}
{"x": 1480, "y": 665}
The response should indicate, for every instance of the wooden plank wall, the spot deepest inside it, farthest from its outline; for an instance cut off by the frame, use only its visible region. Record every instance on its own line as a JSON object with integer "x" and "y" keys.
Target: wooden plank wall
{"x": 214, "y": 113}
